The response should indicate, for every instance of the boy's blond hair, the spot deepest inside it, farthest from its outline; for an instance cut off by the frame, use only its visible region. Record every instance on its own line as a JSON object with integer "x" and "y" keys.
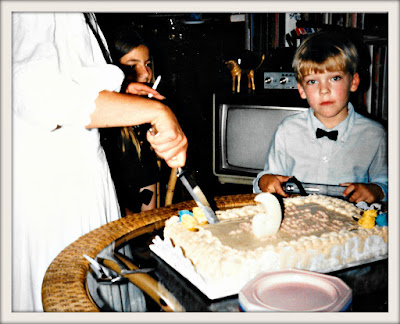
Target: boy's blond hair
{"x": 325, "y": 51}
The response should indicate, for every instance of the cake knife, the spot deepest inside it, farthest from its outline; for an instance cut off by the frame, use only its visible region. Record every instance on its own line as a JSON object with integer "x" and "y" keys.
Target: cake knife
{"x": 293, "y": 187}
{"x": 198, "y": 196}
{"x": 194, "y": 190}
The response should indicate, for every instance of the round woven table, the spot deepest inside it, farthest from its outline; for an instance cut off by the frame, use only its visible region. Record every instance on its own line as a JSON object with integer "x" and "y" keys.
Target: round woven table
{"x": 64, "y": 288}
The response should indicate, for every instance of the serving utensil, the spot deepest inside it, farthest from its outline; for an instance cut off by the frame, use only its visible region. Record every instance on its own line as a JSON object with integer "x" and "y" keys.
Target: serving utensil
{"x": 198, "y": 196}
{"x": 194, "y": 190}
{"x": 154, "y": 289}
{"x": 105, "y": 276}
{"x": 294, "y": 186}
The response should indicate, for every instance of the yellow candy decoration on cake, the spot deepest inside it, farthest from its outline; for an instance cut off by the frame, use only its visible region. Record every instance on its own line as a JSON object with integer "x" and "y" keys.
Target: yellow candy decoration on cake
{"x": 189, "y": 222}
{"x": 199, "y": 216}
{"x": 367, "y": 219}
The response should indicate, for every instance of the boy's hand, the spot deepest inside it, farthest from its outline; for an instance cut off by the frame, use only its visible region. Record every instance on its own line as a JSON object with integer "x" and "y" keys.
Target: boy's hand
{"x": 142, "y": 89}
{"x": 367, "y": 192}
{"x": 273, "y": 184}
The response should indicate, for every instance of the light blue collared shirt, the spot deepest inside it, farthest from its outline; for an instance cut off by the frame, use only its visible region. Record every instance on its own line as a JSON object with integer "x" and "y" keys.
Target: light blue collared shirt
{"x": 358, "y": 155}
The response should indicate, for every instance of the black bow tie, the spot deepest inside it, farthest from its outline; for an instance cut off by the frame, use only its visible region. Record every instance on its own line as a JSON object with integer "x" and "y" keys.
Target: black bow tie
{"x": 331, "y": 135}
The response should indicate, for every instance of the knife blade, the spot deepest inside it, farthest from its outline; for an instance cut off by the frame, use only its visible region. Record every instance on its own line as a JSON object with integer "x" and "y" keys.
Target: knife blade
{"x": 194, "y": 190}
{"x": 291, "y": 187}
{"x": 197, "y": 195}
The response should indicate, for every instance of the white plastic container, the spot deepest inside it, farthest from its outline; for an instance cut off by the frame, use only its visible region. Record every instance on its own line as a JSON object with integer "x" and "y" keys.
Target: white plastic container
{"x": 295, "y": 290}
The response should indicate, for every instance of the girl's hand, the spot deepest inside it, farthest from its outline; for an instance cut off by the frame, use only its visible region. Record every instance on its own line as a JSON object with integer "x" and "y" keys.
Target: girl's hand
{"x": 368, "y": 192}
{"x": 273, "y": 184}
{"x": 142, "y": 89}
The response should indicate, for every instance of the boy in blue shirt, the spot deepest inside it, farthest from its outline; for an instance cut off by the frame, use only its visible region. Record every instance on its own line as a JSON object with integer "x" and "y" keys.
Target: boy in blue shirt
{"x": 354, "y": 151}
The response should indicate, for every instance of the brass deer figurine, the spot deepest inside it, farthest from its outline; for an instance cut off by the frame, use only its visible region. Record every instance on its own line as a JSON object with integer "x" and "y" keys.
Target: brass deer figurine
{"x": 237, "y": 71}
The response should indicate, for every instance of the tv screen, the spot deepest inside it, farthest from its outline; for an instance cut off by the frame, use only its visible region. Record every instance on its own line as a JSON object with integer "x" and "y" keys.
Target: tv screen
{"x": 243, "y": 135}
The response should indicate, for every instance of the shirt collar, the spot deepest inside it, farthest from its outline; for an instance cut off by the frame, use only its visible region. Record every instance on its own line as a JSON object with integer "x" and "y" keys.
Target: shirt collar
{"x": 344, "y": 127}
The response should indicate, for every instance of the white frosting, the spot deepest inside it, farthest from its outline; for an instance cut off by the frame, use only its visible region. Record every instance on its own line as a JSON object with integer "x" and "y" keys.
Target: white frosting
{"x": 318, "y": 233}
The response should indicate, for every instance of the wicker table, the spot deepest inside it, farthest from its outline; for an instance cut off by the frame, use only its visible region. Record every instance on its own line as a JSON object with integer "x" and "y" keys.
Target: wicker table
{"x": 64, "y": 287}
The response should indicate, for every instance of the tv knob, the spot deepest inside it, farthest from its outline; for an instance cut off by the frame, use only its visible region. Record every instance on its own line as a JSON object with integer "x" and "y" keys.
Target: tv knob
{"x": 283, "y": 80}
{"x": 268, "y": 80}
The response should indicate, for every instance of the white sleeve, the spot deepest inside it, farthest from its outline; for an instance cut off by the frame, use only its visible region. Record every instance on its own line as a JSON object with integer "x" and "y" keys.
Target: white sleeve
{"x": 378, "y": 170}
{"x": 275, "y": 162}
{"x": 56, "y": 73}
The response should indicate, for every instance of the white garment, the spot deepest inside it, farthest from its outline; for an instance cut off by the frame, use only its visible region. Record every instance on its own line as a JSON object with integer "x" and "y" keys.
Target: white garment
{"x": 62, "y": 186}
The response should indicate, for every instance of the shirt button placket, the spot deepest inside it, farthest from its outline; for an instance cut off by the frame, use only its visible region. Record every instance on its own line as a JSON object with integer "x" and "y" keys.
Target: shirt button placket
{"x": 325, "y": 157}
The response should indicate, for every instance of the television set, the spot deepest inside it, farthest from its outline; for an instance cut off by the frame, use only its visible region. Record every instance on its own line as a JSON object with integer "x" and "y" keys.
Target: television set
{"x": 242, "y": 133}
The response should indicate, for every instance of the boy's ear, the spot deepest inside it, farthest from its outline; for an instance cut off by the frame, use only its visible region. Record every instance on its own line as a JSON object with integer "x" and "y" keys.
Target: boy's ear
{"x": 301, "y": 91}
{"x": 355, "y": 82}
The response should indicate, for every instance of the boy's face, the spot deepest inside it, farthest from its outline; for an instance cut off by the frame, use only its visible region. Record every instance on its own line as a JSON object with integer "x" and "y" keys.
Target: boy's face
{"x": 328, "y": 94}
{"x": 139, "y": 60}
